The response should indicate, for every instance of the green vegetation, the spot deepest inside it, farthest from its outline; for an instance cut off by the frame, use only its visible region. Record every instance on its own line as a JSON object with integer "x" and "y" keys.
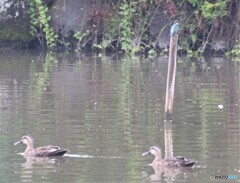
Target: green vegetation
{"x": 126, "y": 13}
{"x": 206, "y": 24}
{"x": 126, "y": 24}
{"x": 40, "y": 23}
{"x": 236, "y": 51}
{"x": 80, "y": 36}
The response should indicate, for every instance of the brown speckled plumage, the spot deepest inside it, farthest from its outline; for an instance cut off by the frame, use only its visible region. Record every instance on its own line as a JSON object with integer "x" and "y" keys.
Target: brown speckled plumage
{"x": 43, "y": 151}
{"x": 177, "y": 161}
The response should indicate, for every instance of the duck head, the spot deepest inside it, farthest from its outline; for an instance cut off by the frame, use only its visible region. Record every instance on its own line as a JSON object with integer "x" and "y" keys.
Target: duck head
{"x": 155, "y": 151}
{"x": 27, "y": 139}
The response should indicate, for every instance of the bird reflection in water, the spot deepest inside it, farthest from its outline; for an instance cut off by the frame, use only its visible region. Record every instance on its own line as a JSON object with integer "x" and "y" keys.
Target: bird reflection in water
{"x": 169, "y": 174}
{"x": 47, "y": 162}
{"x": 35, "y": 164}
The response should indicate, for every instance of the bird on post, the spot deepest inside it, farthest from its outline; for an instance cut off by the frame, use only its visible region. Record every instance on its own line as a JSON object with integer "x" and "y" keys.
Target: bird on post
{"x": 175, "y": 28}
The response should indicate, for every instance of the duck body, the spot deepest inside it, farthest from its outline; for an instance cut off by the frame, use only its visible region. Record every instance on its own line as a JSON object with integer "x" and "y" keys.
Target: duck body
{"x": 174, "y": 162}
{"x": 44, "y": 151}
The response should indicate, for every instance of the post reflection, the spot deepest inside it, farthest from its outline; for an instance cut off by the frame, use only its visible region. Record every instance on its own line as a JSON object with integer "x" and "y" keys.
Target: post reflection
{"x": 168, "y": 139}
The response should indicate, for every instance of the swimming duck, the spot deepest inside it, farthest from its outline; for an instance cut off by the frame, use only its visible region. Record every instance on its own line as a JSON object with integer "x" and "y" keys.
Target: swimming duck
{"x": 175, "y": 162}
{"x": 44, "y": 151}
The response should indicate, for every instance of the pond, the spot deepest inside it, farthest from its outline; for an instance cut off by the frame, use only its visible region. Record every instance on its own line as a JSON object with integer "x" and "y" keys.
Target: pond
{"x": 108, "y": 110}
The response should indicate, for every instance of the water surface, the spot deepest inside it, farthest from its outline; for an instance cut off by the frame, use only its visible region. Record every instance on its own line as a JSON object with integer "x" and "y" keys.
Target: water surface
{"x": 108, "y": 110}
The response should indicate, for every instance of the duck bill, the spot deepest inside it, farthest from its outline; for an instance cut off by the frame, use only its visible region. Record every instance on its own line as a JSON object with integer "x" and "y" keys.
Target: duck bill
{"x": 145, "y": 153}
{"x": 19, "y": 142}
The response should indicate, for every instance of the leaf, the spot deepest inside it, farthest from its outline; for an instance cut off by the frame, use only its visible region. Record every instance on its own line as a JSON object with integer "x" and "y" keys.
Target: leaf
{"x": 194, "y": 38}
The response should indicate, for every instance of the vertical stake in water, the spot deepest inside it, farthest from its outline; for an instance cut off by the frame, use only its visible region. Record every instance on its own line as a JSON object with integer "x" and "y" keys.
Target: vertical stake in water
{"x": 168, "y": 139}
{"x": 172, "y": 64}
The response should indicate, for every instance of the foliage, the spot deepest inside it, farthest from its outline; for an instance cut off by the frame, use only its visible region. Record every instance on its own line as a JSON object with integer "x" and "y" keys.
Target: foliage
{"x": 203, "y": 22}
{"x": 80, "y": 37}
{"x": 126, "y": 25}
{"x": 40, "y": 23}
{"x": 111, "y": 33}
{"x": 236, "y": 51}
{"x": 208, "y": 22}
{"x": 129, "y": 23}
{"x": 211, "y": 11}
{"x": 119, "y": 28}
{"x": 126, "y": 13}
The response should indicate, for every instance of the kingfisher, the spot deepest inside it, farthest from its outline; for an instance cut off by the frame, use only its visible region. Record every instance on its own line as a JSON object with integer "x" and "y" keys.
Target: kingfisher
{"x": 174, "y": 28}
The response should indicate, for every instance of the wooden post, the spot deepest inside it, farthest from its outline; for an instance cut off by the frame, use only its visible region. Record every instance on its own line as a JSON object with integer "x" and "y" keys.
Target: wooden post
{"x": 168, "y": 141}
{"x": 172, "y": 64}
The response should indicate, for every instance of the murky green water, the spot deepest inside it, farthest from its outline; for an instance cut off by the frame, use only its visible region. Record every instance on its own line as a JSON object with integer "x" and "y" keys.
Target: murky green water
{"x": 108, "y": 110}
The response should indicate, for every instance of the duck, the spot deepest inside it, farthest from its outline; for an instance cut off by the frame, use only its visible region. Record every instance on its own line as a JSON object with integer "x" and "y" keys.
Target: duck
{"x": 44, "y": 151}
{"x": 171, "y": 162}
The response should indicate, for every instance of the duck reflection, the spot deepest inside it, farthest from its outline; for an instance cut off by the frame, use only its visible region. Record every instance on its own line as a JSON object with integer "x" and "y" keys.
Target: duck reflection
{"x": 47, "y": 162}
{"x": 37, "y": 164}
{"x": 169, "y": 174}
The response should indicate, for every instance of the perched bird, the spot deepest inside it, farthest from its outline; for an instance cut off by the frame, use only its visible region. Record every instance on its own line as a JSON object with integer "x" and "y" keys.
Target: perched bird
{"x": 175, "y": 28}
{"x": 44, "y": 151}
{"x": 175, "y": 162}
